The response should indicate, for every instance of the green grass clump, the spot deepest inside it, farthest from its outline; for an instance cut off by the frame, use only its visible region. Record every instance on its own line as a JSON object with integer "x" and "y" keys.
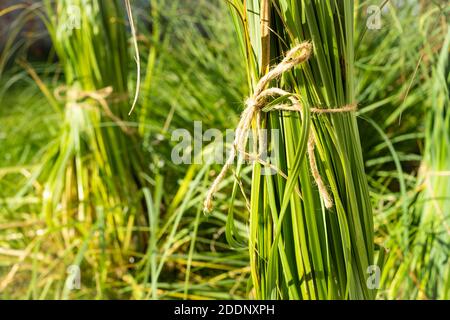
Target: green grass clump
{"x": 299, "y": 249}
{"x": 419, "y": 268}
{"x": 397, "y": 70}
{"x": 88, "y": 176}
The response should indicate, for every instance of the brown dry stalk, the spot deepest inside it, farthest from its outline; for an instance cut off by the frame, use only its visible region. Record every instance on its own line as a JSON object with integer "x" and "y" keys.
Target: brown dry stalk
{"x": 265, "y": 35}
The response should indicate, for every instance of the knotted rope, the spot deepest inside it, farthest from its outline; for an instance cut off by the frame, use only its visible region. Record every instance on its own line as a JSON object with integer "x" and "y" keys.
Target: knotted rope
{"x": 74, "y": 96}
{"x": 297, "y": 55}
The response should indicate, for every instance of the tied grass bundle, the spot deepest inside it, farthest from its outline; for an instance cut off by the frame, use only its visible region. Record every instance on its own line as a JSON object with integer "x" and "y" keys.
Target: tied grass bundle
{"x": 298, "y": 248}
{"x": 91, "y": 163}
{"x": 90, "y": 172}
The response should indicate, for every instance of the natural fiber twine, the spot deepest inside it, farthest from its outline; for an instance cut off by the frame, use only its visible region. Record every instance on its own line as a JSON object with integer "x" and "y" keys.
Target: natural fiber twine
{"x": 74, "y": 96}
{"x": 257, "y": 102}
